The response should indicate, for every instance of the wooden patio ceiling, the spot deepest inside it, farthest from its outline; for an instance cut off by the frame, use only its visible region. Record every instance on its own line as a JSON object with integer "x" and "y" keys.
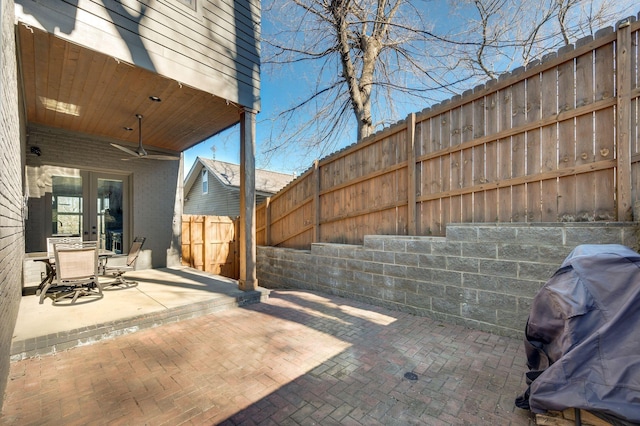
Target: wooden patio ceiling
{"x": 70, "y": 87}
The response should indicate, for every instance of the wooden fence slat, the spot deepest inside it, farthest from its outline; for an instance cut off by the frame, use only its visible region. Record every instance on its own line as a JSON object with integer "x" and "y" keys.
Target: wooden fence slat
{"x": 479, "y": 163}
{"x": 504, "y": 153}
{"x": 419, "y": 176}
{"x": 467, "y": 162}
{"x": 585, "y": 154}
{"x": 623, "y": 133}
{"x": 533, "y": 112}
{"x": 518, "y": 151}
{"x": 549, "y": 199}
{"x": 411, "y": 175}
{"x": 467, "y": 181}
{"x": 491, "y": 158}
{"x": 566, "y": 144}
{"x": 635, "y": 84}
{"x": 455, "y": 165}
{"x": 436, "y": 176}
{"x": 635, "y": 125}
{"x": 605, "y": 130}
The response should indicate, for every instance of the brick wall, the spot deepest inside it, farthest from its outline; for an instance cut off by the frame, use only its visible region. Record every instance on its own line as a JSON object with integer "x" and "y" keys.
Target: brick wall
{"x": 480, "y": 276}
{"x": 11, "y": 162}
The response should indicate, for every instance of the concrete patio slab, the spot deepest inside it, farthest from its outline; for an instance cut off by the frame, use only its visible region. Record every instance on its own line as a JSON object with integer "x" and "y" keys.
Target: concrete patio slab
{"x": 161, "y": 296}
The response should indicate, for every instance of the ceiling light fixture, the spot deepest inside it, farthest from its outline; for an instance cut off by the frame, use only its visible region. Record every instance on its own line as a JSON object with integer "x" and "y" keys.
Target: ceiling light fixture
{"x": 155, "y": 99}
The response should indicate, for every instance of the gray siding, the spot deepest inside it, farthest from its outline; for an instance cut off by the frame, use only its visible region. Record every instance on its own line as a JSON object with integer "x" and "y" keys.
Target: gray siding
{"x": 219, "y": 200}
{"x": 156, "y": 187}
{"x": 11, "y": 166}
{"x": 214, "y": 49}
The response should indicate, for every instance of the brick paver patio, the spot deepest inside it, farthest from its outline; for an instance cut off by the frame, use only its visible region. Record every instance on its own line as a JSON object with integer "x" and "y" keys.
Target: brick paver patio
{"x": 299, "y": 358}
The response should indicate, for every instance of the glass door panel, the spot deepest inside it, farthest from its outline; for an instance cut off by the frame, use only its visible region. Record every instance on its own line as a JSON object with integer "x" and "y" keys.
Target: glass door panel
{"x": 110, "y": 213}
{"x": 107, "y": 213}
{"x": 66, "y": 206}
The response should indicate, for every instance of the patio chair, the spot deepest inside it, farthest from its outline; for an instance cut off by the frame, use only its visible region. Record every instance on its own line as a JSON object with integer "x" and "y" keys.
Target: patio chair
{"x": 51, "y": 241}
{"x": 76, "y": 273}
{"x": 118, "y": 271}
{"x": 50, "y": 263}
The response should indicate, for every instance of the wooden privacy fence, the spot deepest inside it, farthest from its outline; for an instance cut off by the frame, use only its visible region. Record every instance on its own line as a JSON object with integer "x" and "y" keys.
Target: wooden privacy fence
{"x": 210, "y": 243}
{"x": 556, "y": 141}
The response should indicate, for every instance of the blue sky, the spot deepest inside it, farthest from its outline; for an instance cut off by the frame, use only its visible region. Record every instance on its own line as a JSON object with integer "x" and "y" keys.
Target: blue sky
{"x": 227, "y": 143}
{"x": 275, "y": 91}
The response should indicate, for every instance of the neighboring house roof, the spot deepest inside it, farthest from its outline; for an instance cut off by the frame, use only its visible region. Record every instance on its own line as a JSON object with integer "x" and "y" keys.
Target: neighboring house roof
{"x": 267, "y": 182}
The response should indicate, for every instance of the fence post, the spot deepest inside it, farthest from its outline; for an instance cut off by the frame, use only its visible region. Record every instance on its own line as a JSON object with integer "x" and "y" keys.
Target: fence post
{"x": 267, "y": 222}
{"x": 192, "y": 245}
{"x": 316, "y": 201}
{"x": 207, "y": 252}
{"x": 236, "y": 248}
{"x": 411, "y": 174}
{"x": 623, "y": 143}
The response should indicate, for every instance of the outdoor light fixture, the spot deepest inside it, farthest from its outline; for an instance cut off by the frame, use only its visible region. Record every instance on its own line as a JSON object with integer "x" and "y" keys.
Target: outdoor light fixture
{"x": 36, "y": 150}
{"x": 155, "y": 99}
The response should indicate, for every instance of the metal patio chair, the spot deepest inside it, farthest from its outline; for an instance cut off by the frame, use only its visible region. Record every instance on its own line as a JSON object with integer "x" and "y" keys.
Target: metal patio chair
{"x": 52, "y": 241}
{"x": 50, "y": 263}
{"x": 76, "y": 272}
{"x": 118, "y": 271}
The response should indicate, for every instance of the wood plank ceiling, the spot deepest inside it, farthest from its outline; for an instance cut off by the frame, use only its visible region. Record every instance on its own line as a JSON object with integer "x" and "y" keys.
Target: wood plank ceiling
{"x": 70, "y": 87}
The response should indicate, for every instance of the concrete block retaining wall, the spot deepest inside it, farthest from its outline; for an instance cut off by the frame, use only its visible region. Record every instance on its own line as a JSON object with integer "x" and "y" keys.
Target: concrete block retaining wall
{"x": 483, "y": 276}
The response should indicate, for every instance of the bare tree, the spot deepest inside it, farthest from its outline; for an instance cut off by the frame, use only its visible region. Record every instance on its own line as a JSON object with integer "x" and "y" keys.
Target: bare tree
{"x": 501, "y": 34}
{"x": 362, "y": 59}
{"x": 363, "y": 54}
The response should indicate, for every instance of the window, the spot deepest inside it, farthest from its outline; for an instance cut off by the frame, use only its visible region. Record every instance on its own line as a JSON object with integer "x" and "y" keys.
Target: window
{"x": 66, "y": 205}
{"x": 205, "y": 182}
{"x": 189, "y": 3}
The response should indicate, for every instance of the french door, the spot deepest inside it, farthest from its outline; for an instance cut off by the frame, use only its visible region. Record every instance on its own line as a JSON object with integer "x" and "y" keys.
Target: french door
{"x": 94, "y": 205}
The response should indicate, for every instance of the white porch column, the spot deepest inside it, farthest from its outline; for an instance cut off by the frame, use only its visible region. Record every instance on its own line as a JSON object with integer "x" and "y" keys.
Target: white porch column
{"x": 248, "y": 280}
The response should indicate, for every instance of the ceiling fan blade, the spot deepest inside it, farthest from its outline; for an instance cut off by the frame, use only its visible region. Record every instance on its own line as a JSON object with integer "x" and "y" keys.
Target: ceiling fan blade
{"x": 152, "y": 157}
{"x": 161, "y": 157}
{"x": 125, "y": 149}
{"x": 140, "y": 152}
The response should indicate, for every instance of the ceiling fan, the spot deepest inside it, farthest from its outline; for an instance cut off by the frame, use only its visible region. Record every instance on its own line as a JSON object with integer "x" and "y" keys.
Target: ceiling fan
{"x": 140, "y": 152}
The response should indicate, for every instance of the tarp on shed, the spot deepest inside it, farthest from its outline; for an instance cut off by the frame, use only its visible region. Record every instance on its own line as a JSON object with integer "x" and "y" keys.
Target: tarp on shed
{"x": 582, "y": 338}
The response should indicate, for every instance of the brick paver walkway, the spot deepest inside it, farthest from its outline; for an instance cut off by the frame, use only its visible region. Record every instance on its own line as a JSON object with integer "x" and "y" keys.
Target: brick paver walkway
{"x": 299, "y": 358}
